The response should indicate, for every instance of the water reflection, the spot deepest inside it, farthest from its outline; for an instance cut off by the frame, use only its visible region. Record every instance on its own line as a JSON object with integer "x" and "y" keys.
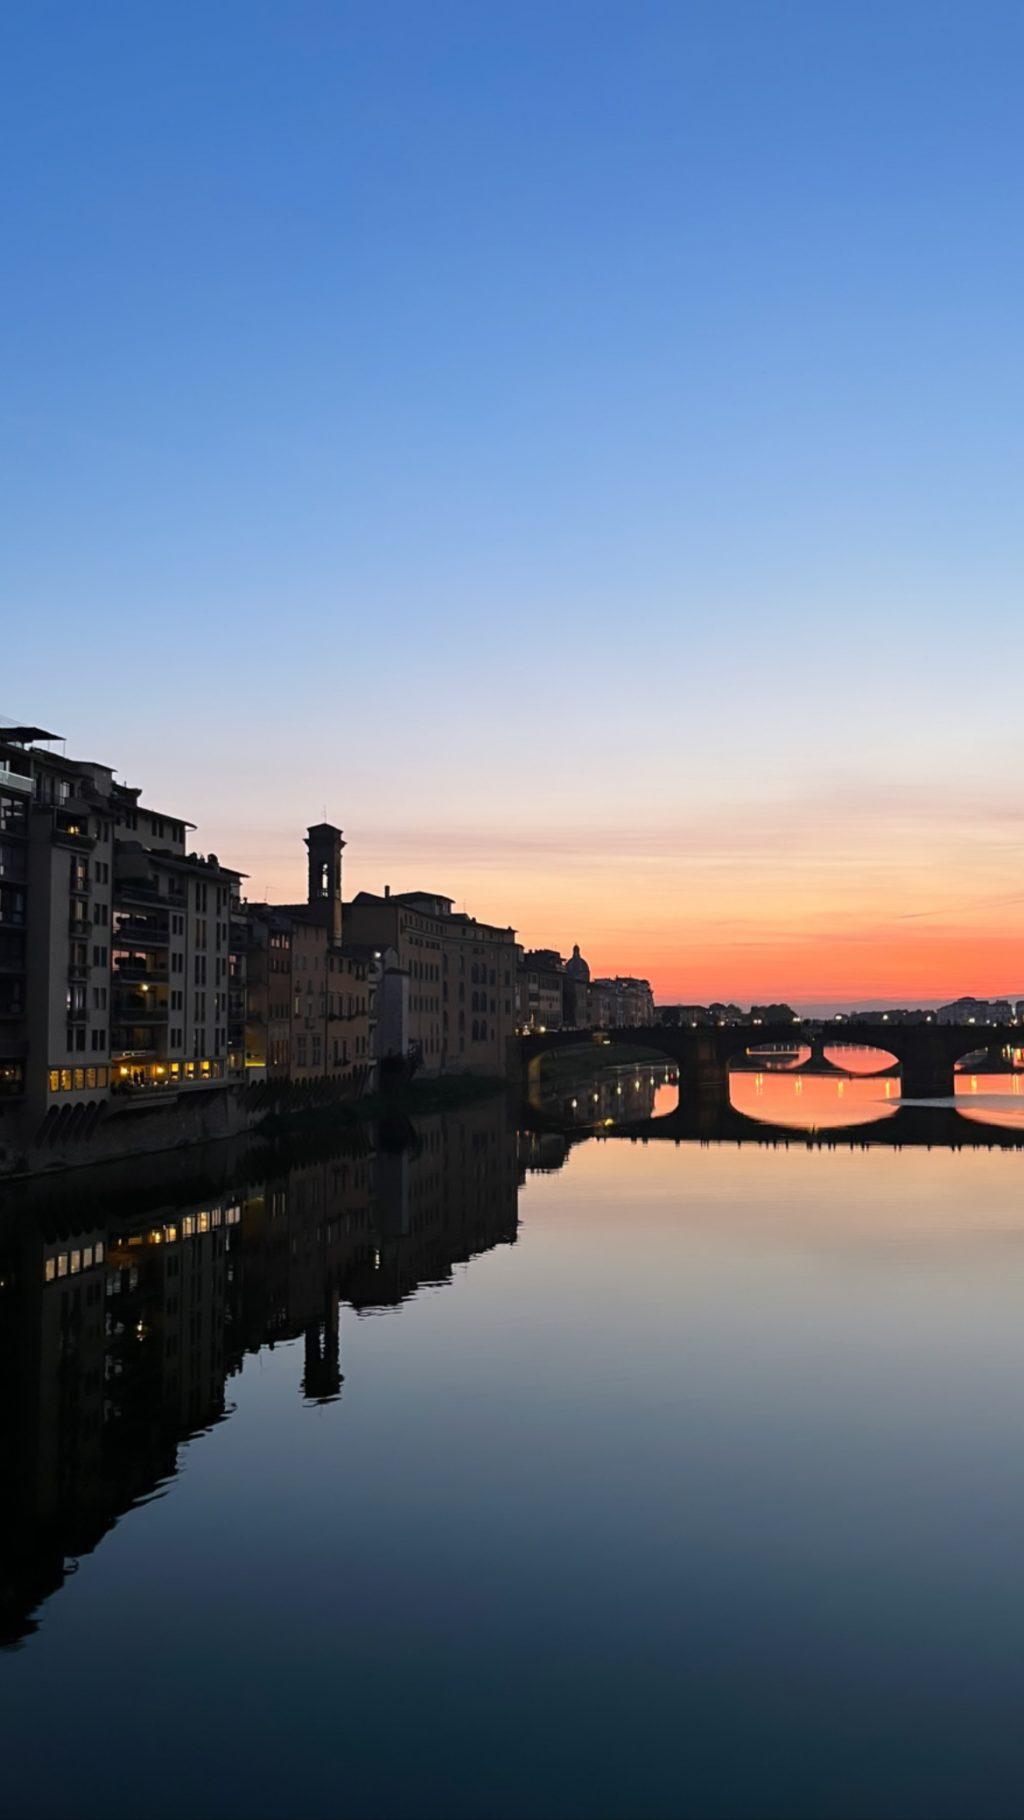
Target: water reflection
{"x": 621, "y": 1094}
{"x": 858, "y": 1058}
{"x": 991, "y": 1099}
{"x": 813, "y": 1102}
{"x": 457, "y": 1461}
{"x": 127, "y": 1307}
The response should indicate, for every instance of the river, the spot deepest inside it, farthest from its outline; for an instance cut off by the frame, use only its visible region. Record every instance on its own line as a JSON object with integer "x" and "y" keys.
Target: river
{"x": 482, "y": 1468}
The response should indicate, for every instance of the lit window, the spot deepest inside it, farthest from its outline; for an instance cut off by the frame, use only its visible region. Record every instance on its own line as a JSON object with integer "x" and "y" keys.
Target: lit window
{"x": 76, "y": 1263}
{"x": 99, "y": 1251}
{"x": 62, "y": 1264}
{"x": 49, "y": 1270}
{"x": 87, "y": 1257}
{"x": 54, "y": 1080}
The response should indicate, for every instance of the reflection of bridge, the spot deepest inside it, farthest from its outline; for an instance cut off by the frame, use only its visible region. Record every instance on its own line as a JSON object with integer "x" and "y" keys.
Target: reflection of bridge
{"x": 708, "y": 1121}
{"x": 927, "y": 1053}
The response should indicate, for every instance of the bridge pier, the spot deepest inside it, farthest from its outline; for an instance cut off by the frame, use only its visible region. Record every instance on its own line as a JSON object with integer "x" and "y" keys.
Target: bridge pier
{"x": 926, "y": 1076}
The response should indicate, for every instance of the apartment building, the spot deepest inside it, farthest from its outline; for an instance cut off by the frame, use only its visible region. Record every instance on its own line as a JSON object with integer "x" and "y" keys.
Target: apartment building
{"x": 114, "y": 942}
{"x": 461, "y": 977}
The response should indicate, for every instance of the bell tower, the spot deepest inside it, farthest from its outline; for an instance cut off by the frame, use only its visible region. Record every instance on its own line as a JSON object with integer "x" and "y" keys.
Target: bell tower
{"x": 324, "y": 845}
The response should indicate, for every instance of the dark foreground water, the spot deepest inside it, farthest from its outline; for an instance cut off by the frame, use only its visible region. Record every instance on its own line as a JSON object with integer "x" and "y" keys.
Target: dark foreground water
{"x": 656, "y": 1481}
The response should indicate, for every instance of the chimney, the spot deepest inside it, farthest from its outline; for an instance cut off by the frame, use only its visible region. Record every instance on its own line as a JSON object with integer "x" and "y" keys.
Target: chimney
{"x": 387, "y": 890}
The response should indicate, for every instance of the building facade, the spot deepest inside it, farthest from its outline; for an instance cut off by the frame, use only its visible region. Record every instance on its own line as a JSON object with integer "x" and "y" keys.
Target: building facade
{"x": 541, "y": 989}
{"x": 620, "y": 1004}
{"x": 461, "y": 978}
{"x": 115, "y": 946}
{"x": 312, "y": 996}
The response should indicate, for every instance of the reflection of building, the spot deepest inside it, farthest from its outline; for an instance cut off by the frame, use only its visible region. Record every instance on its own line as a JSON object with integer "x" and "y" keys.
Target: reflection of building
{"x": 441, "y": 1201}
{"x": 610, "y": 1096}
{"x": 124, "y": 1307}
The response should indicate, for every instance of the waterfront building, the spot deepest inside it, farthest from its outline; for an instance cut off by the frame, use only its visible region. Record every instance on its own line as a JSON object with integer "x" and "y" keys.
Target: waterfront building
{"x": 623, "y": 1003}
{"x": 540, "y": 989}
{"x": 461, "y": 974}
{"x": 312, "y": 997}
{"x": 115, "y": 946}
{"x": 975, "y": 1011}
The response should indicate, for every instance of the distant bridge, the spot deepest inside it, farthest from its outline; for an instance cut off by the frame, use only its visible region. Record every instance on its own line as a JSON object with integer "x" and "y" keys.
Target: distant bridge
{"x": 927, "y": 1054}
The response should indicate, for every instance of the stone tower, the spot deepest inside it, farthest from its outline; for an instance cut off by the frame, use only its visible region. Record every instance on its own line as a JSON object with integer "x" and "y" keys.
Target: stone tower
{"x": 324, "y": 845}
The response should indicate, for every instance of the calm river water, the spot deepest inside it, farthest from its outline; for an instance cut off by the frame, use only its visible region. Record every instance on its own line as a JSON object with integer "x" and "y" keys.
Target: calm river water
{"x": 477, "y": 1473}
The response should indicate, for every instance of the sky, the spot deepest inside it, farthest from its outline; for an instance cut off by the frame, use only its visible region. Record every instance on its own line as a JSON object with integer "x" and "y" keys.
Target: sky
{"x": 576, "y": 447}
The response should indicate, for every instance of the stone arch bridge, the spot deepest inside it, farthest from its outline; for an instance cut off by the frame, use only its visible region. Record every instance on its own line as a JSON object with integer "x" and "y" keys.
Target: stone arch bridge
{"x": 927, "y": 1053}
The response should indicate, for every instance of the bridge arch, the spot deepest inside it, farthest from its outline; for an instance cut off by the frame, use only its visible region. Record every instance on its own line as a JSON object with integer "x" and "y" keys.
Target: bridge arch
{"x": 600, "y": 1078}
{"x": 926, "y": 1052}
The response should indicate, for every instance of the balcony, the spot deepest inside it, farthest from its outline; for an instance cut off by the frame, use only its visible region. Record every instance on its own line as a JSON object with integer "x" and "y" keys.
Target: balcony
{"x": 77, "y": 970}
{"x": 14, "y": 781}
{"x": 135, "y": 933}
{"x": 133, "y": 891}
{"x": 77, "y": 1014}
{"x": 79, "y": 925}
{"x": 139, "y": 1008}
{"x": 139, "y": 968}
{"x": 74, "y": 834}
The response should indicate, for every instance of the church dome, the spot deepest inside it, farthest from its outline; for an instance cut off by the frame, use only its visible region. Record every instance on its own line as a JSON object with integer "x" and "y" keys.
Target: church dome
{"x": 577, "y": 968}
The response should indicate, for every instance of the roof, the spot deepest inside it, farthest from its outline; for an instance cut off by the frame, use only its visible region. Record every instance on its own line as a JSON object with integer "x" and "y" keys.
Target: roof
{"x": 24, "y": 736}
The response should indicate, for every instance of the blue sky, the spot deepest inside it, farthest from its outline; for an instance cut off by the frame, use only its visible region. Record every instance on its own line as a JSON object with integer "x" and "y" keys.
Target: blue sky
{"x": 517, "y": 427}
